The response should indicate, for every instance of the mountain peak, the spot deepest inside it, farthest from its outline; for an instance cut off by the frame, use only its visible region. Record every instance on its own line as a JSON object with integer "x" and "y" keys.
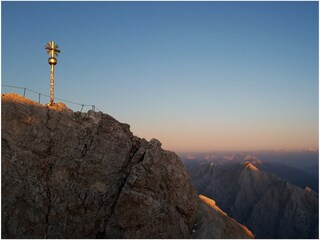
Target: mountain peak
{"x": 307, "y": 189}
{"x": 250, "y": 166}
{"x": 16, "y": 98}
{"x": 263, "y": 202}
{"x": 85, "y": 175}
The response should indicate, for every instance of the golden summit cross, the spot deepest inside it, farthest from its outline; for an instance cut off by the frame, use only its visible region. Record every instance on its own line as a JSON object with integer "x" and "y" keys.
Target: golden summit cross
{"x": 52, "y": 49}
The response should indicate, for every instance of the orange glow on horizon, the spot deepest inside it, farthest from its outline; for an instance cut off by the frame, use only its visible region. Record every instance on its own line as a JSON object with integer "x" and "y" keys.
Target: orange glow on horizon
{"x": 206, "y": 137}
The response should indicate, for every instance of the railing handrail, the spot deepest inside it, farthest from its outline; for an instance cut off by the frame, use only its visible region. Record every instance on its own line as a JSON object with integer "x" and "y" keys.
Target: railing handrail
{"x": 60, "y": 99}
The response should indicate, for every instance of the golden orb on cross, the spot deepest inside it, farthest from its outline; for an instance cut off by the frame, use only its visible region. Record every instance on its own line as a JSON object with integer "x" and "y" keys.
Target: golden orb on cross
{"x": 52, "y": 61}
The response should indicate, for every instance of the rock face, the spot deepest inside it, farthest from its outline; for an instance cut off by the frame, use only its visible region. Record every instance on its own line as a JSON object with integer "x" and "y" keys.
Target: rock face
{"x": 271, "y": 207}
{"x": 212, "y": 221}
{"x": 85, "y": 175}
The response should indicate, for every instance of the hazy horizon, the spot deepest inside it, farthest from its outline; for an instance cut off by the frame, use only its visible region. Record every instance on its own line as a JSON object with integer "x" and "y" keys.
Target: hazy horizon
{"x": 198, "y": 76}
{"x": 303, "y": 160}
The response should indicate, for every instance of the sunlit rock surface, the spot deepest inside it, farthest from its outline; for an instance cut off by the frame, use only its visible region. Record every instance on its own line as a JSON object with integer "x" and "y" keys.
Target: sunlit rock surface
{"x": 85, "y": 175}
{"x": 212, "y": 221}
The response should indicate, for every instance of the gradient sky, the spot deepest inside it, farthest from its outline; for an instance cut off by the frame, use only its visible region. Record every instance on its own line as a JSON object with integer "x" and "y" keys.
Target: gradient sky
{"x": 198, "y": 76}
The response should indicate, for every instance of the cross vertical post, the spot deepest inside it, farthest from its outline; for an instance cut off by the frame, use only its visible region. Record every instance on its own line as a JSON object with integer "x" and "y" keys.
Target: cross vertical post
{"x": 52, "y": 85}
{"x": 53, "y": 50}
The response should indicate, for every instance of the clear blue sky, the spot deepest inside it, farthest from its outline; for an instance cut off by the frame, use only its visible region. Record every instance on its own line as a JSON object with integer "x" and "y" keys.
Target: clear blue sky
{"x": 196, "y": 75}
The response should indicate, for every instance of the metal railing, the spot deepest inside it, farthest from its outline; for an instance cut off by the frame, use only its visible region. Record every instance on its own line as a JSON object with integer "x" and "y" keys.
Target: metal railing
{"x": 41, "y": 96}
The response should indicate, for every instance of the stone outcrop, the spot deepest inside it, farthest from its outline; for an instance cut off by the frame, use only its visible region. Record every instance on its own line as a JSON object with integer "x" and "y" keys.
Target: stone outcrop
{"x": 68, "y": 174}
{"x": 212, "y": 221}
{"x": 269, "y": 206}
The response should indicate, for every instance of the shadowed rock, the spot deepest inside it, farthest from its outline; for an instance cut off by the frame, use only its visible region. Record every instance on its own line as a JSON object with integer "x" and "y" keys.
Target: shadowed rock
{"x": 85, "y": 175}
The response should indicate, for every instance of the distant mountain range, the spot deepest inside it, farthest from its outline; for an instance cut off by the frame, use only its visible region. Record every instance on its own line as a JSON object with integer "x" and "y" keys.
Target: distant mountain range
{"x": 271, "y": 207}
{"x": 295, "y": 175}
{"x": 306, "y": 160}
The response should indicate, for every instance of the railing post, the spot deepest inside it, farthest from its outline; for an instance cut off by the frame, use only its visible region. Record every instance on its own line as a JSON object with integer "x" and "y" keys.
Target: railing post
{"x": 39, "y": 97}
{"x": 81, "y": 107}
{"x": 24, "y": 92}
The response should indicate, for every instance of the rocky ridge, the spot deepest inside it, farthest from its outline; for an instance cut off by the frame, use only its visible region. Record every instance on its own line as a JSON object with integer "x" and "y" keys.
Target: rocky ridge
{"x": 270, "y": 206}
{"x": 68, "y": 174}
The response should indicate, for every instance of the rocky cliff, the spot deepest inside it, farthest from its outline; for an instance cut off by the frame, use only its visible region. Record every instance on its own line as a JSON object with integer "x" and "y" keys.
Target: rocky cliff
{"x": 270, "y": 206}
{"x": 85, "y": 175}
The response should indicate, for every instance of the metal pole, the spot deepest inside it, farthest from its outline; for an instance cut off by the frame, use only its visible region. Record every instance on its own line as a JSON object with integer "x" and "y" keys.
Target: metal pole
{"x": 52, "y": 85}
{"x": 24, "y": 92}
{"x": 39, "y": 97}
{"x": 53, "y": 50}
